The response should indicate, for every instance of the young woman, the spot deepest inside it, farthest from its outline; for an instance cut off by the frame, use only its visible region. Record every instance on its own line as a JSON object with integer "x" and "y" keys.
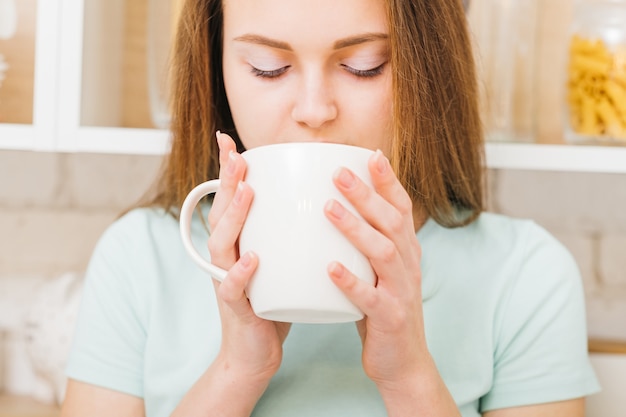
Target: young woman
{"x": 473, "y": 313}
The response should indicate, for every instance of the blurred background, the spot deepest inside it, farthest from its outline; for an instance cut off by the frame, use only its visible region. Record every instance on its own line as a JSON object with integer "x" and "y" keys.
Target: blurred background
{"x": 83, "y": 127}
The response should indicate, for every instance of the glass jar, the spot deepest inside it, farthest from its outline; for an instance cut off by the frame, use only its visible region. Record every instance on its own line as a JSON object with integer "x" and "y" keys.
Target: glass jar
{"x": 505, "y": 35}
{"x": 595, "y": 100}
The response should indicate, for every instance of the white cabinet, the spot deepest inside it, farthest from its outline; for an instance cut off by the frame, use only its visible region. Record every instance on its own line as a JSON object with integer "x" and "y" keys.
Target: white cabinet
{"x": 28, "y": 92}
{"x": 88, "y": 89}
{"x": 551, "y": 25}
{"x": 103, "y": 80}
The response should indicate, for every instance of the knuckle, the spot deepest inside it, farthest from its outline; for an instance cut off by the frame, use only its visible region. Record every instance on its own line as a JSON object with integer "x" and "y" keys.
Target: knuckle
{"x": 213, "y": 218}
{"x": 363, "y": 191}
{"x": 396, "y": 223}
{"x": 371, "y": 301}
{"x": 405, "y": 205}
{"x": 397, "y": 318}
{"x": 216, "y": 249}
{"x": 388, "y": 252}
{"x": 226, "y": 294}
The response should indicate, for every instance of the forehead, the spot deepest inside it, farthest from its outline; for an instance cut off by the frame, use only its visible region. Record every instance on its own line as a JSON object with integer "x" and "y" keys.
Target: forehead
{"x": 316, "y": 19}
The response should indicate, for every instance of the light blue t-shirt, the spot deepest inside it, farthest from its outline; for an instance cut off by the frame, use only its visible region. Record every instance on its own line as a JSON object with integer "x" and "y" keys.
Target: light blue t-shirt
{"x": 503, "y": 305}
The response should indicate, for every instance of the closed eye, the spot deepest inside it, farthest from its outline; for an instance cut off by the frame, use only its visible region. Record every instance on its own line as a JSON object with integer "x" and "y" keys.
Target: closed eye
{"x": 368, "y": 73}
{"x": 275, "y": 73}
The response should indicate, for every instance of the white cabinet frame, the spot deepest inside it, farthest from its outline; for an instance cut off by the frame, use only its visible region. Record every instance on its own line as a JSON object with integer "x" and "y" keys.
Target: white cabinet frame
{"x": 73, "y": 136}
{"x": 40, "y": 135}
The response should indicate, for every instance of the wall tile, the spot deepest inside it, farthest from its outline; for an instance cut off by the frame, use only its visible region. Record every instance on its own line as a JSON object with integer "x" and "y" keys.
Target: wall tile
{"x": 109, "y": 181}
{"x": 583, "y": 249}
{"x": 605, "y": 315}
{"x": 30, "y": 179}
{"x": 49, "y": 242}
{"x": 54, "y": 207}
{"x": 613, "y": 261}
{"x": 569, "y": 202}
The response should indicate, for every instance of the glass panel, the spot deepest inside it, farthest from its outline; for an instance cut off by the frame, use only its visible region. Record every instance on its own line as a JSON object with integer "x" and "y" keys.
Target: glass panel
{"x": 505, "y": 35}
{"x": 538, "y": 94}
{"x": 125, "y": 53}
{"x": 17, "y": 60}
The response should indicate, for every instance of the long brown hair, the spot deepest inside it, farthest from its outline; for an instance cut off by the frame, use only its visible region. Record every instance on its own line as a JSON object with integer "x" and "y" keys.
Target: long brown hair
{"x": 437, "y": 150}
{"x": 437, "y": 143}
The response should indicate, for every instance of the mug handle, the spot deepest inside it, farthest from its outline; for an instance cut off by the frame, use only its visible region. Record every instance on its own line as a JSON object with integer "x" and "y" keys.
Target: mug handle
{"x": 186, "y": 214}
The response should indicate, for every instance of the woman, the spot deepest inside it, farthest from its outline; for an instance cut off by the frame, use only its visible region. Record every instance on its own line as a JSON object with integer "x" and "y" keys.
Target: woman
{"x": 489, "y": 321}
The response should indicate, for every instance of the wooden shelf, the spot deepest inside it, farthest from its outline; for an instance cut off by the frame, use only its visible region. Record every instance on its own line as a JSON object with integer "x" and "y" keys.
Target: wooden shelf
{"x": 13, "y": 406}
{"x": 607, "y": 346}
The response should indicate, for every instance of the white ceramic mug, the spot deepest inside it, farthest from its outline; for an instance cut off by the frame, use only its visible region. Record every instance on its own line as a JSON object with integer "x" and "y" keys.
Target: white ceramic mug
{"x": 287, "y": 229}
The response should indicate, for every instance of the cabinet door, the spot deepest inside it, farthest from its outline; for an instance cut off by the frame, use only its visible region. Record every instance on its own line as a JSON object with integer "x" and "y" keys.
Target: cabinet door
{"x": 28, "y": 73}
{"x": 113, "y": 75}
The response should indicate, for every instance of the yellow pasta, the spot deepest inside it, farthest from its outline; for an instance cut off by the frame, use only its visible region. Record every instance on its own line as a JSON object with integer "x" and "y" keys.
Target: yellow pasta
{"x": 617, "y": 94}
{"x": 591, "y": 64}
{"x": 597, "y": 88}
{"x": 588, "y": 122}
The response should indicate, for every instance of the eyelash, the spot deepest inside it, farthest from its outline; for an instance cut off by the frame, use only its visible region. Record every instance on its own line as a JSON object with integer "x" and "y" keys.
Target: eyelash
{"x": 269, "y": 74}
{"x": 373, "y": 72}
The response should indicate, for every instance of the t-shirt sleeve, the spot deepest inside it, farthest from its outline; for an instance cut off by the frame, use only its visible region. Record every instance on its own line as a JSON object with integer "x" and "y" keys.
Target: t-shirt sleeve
{"x": 110, "y": 334}
{"x": 540, "y": 353}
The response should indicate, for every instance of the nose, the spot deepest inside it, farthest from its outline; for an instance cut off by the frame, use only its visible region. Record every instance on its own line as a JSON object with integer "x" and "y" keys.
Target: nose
{"x": 315, "y": 102}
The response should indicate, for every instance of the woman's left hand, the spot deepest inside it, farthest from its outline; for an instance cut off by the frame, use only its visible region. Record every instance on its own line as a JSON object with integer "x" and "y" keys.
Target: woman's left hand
{"x": 394, "y": 345}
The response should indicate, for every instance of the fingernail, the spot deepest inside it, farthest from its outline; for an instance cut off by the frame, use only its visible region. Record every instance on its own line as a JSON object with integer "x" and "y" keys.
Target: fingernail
{"x": 246, "y": 260}
{"x": 382, "y": 163}
{"x": 345, "y": 178}
{"x": 335, "y": 209}
{"x": 232, "y": 161}
{"x": 336, "y": 270}
{"x": 238, "y": 193}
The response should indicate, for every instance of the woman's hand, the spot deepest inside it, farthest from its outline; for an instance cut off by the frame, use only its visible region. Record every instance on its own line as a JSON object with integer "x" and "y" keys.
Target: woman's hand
{"x": 395, "y": 354}
{"x": 251, "y": 346}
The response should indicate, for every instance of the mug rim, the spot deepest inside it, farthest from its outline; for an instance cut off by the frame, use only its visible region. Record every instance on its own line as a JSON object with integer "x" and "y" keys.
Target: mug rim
{"x": 286, "y": 145}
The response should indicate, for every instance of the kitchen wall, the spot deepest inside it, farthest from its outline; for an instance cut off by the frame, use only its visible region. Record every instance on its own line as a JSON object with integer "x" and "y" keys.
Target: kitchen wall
{"x": 586, "y": 212}
{"x": 53, "y": 207}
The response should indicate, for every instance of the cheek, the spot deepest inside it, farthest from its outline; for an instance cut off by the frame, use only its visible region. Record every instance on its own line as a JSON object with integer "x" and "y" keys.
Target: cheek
{"x": 375, "y": 117}
{"x": 242, "y": 102}
{"x": 256, "y": 115}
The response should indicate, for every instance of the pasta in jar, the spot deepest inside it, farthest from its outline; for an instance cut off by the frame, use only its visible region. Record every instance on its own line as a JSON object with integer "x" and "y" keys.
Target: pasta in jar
{"x": 596, "y": 82}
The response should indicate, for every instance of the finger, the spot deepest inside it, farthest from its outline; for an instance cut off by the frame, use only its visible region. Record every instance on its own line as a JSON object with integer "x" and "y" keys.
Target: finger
{"x": 381, "y": 251}
{"x": 377, "y": 211}
{"x": 225, "y": 144}
{"x": 388, "y": 186}
{"x": 232, "y": 290}
{"x": 396, "y": 224}
{"x": 223, "y": 238}
{"x": 360, "y": 293}
{"x": 232, "y": 171}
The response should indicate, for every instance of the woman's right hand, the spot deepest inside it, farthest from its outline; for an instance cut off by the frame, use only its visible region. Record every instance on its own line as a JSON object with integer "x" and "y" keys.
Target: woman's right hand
{"x": 251, "y": 350}
{"x": 251, "y": 347}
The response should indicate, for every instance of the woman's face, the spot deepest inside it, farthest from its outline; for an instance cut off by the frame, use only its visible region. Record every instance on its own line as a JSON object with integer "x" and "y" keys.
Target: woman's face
{"x": 308, "y": 70}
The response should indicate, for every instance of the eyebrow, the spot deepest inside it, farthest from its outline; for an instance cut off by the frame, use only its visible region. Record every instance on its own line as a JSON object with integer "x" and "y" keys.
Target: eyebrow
{"x": 341, "y": 43}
